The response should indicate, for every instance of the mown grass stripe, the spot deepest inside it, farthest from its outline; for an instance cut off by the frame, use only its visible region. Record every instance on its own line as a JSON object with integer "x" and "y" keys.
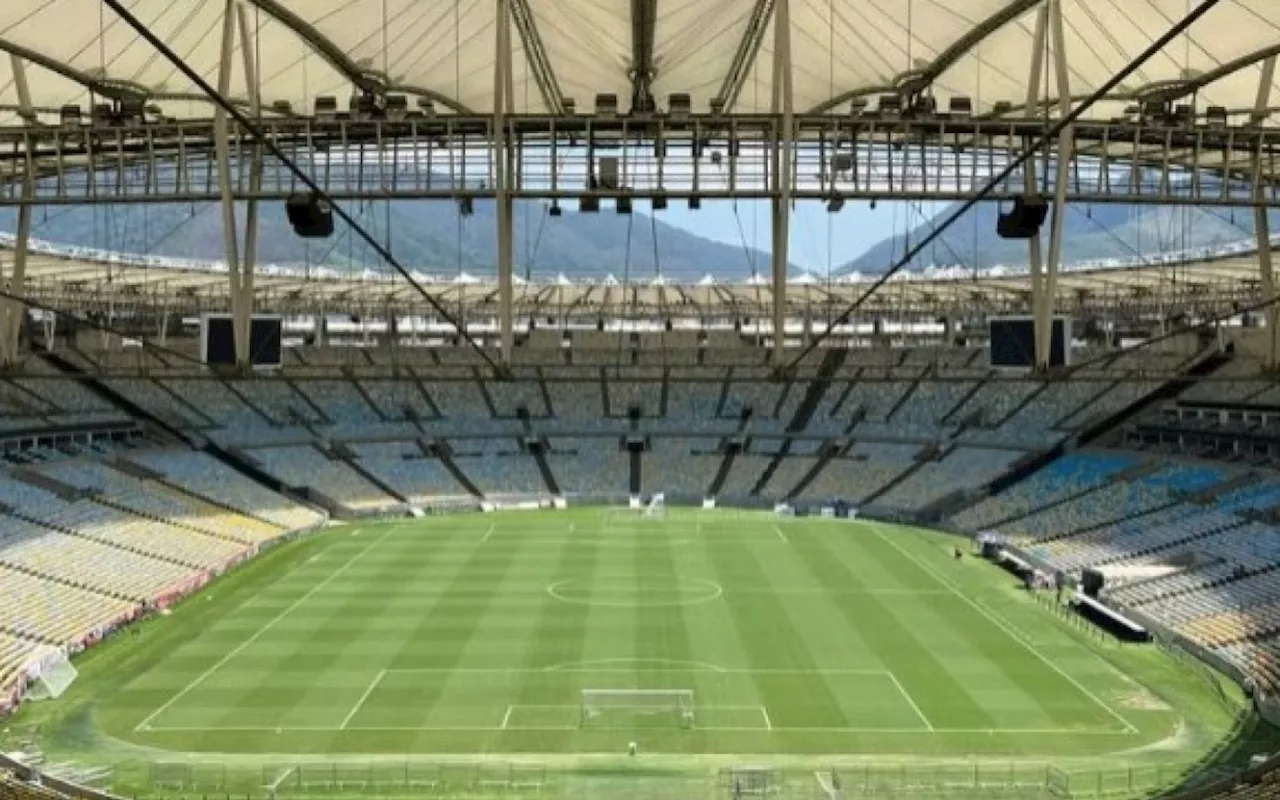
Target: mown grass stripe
{"x": 939, "y": 694}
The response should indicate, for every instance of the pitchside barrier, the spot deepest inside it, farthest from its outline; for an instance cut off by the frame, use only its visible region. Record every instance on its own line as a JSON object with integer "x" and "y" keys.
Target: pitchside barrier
{"x": 471, "y": 779}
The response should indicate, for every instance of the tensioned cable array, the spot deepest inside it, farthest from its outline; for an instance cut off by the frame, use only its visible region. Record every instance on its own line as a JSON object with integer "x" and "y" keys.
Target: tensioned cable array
{"x": 279, "y": 154}
{"x": 1003, "y": 174}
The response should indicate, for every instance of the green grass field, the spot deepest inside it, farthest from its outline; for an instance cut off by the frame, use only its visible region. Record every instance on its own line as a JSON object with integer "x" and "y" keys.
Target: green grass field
{"x": 476, "y": 634}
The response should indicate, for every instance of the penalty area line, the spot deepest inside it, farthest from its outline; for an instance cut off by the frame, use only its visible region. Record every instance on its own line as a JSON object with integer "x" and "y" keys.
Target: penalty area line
{"x": 1003, "y": 626}
{"x": 907, "y": 696}
{"x": 487, "y": 534}
{"x": 782, "y": 536}
{"x": 377, "y": 679}
{"x": 222, "y": 662}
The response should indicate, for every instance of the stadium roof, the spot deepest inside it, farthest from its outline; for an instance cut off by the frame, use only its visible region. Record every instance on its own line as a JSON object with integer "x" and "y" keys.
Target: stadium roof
{"x": 444, "y": 50}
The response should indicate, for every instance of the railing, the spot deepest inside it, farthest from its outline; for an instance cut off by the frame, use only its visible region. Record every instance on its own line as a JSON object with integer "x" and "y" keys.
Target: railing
{"x": 623, "y": 780}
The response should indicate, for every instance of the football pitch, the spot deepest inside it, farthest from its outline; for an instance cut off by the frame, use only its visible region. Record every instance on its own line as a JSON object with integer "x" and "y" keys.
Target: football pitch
{"x": 480, "y": 633}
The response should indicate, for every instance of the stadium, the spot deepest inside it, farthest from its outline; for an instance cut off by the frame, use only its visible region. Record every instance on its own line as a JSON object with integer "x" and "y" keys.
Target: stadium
{"x": 422, "y": 517}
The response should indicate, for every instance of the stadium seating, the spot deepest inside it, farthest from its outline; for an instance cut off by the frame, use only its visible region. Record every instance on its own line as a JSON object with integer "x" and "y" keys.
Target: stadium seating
{"x": 1067, "y": 476}
{"x": 90, "y": 563}
{"x": 398, "y": 399}
{"x": 498, "y": 466}
{"x": 680, "y": 466}
{"x": 306, "y": 467}
{"x": 860, "y": 473}
{"x": 339, "y": 401}
{"x": 216, "y": 401}
{"x": 590, "y": 465}
{"x": 56, "y": 613}
{"x": 405, "y": 469}
{"x": 963, "y": 469}
{"x": 204, "y": 476}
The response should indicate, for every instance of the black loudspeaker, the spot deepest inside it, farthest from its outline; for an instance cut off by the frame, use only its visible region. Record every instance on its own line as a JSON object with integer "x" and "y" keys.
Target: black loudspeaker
{"x": 1024, "y": 220}
{"x": 1092, "y": 582}
{"x": 310, "y": 216}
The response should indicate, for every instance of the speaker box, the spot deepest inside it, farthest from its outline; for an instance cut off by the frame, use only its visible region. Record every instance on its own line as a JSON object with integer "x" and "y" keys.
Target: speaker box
{"x": 310, "y": 216}
{"x": 1024, "y": 220}
{"x": 1092, "y": 582}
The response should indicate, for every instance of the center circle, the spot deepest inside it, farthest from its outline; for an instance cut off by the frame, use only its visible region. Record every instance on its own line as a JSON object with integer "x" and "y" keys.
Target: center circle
{"x": 628, "y": 593}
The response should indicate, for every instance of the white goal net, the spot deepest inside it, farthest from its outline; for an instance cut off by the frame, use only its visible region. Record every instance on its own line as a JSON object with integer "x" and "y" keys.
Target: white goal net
{"x": 621, "y": 707}
{"x": 54, "y": 677}
{"x": 656, "y": 508}
{"x": 827, "y": 786}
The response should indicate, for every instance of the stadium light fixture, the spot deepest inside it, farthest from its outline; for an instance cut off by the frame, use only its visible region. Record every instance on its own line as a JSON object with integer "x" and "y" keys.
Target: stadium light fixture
{"x": 679, "y": 105}
{"x": 396, "y": 107}
{"x": 69, "y": 116}
{"x": 606, "y": 105}
{"x": 326, "y": 107}
{"x": 960, "y": 107}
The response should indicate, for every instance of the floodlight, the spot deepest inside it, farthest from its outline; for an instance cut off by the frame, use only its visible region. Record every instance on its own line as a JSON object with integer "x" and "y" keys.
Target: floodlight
{"x": 679, "y": 105}
{"x": 606, "y": 105}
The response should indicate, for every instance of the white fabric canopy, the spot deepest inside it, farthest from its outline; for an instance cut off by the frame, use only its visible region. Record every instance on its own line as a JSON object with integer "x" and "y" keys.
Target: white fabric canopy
{"x": 445, "y": 50}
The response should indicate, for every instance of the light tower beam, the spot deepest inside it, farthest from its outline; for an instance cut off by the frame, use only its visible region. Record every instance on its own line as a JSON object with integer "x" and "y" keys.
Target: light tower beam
{"x": 1262, "y": 220}
{"x": 14, "y": 310}
{"x": 222, "y": 157}
{"x": 784, "y": 107}
{"x": 503, "y": 178}
{"x": 244, "y": 319}
{"x": 644, "y": 23}
{"x": 1043, "y": 310}
{"x": 1035, "y": 260}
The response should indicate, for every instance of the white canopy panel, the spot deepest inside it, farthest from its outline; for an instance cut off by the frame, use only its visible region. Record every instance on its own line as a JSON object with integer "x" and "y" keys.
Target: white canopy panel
{"x": 445, "y": 50}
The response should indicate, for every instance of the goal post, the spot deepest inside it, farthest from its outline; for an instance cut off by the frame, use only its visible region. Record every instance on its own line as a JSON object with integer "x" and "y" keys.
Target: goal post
{"x": 637, "y": 510}
{"x": 827, "y": 785}
{"x": 55, "y": 676}
{"x": 601, "y": 704}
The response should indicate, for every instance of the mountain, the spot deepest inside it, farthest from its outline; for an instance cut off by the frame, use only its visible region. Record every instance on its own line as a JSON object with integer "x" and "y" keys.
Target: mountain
{"x": 430, "y": 236}
{"x": 1092, "y": 232}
